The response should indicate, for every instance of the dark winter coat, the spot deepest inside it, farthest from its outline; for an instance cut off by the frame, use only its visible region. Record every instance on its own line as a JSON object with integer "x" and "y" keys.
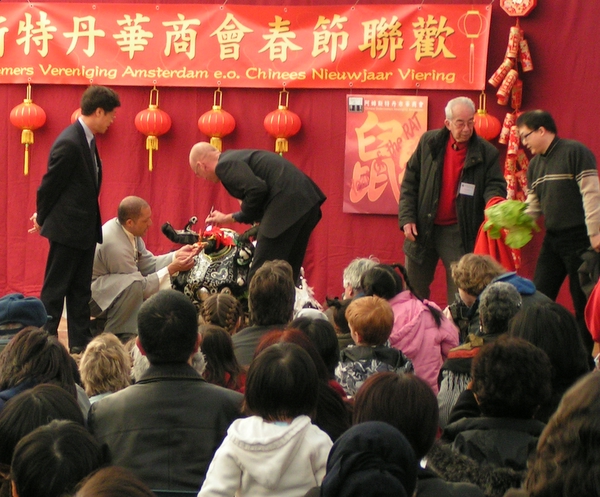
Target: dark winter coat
{"x": 420, "y": 192}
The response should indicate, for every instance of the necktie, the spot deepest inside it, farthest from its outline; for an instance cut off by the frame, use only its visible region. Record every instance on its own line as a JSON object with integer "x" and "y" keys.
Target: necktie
{"x": 94, "y": 160}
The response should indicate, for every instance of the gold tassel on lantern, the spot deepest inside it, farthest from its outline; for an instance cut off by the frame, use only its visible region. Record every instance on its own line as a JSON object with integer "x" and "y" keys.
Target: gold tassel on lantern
{"x": 151, "y": 144}
{"x": 281, "y": 145}
{"x": 26, "y": 139}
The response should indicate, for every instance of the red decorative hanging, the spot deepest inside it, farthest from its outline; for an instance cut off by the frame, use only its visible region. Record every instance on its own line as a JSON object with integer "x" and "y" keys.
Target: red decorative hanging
{"x": 217, "y": 122}
{"x": 518, "y": 8}
{"x": 282, "y": 123}
{"x": 510, "y": 92}
{"x": 486, "y": 125}
{"x": 152, "y": 122}
{"x": 28, "y": 117}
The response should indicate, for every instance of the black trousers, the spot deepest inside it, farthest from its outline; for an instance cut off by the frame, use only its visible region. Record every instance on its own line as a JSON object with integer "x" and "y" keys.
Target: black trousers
{"x": 560, "y": 256}
{"x": 290, "y": 246}
{"x": 69, "y": 276}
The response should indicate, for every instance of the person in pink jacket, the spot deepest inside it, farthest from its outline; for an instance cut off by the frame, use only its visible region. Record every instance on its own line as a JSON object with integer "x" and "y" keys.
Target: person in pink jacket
{"x": 420, "y": 329}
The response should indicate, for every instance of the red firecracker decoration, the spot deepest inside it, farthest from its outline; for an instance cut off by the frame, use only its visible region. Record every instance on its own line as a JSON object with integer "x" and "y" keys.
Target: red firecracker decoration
{"x": 217, "y": 122}
{"x": 28, "y": 117}
{"x": 486, "y": 125}
{"x": 152, "y": 122}
{"x": 282, "y": 123}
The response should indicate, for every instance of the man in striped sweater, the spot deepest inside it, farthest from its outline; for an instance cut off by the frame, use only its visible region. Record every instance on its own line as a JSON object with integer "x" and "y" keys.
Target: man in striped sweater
{"x": 563, "y": 186}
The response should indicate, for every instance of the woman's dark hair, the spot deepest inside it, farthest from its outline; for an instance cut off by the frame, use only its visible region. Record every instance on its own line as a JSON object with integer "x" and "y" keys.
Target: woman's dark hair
{"x": 553, "y": 329}
{"x": 31, "y": 409}
{"x": 511, "y": 378}
{"x": 339, "y": 314}
{"x": 54, "y": 458}
{"x": 567, "y": 460}
{"x": 222, "y": 367}
{"x": 35, "y": 356}
{"x": 289, "y": 335}
{"x": 113, "y": 481}
{"x": 332, "y": 414}
{"x": 384, "y": 281}
{"x": 323, "y": 337}
{"x": 282, "y": 383}
{"x": 404, "y": 401}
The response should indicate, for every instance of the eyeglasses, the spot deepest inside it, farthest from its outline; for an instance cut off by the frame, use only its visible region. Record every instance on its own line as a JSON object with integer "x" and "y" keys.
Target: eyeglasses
{"x": 526, "y": 135}
{"x": 461, "y": 124}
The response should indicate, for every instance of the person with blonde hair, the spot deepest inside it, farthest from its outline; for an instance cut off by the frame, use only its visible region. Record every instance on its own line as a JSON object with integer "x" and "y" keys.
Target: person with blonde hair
{"x": 105, "y": 367}
{"x": 472, "y": 274}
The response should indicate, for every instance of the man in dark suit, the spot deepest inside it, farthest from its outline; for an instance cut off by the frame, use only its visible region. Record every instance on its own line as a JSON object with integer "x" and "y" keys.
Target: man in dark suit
{"x": 273, "y": 191}
{"x": 68, "y": 215}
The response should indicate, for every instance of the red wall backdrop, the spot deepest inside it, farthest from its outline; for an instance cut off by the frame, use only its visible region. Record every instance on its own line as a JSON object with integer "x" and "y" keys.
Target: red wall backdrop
{"x": 563, "y": 40}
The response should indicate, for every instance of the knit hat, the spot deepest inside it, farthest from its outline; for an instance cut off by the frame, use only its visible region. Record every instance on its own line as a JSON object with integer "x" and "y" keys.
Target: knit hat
{"x": 27, "y": 311}
{"x": 371, "y": 459}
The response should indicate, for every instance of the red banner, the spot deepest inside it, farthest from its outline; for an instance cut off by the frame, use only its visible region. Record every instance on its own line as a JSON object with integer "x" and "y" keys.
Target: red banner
{"x": 382, "y": 132}
{"x": 361, "y": 46}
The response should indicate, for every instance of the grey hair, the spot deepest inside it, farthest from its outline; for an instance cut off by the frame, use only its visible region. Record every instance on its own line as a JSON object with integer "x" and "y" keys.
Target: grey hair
{"x": 355, "y": 270}
{"x": 498, "y": 304}
{"x": 458, "y": 101}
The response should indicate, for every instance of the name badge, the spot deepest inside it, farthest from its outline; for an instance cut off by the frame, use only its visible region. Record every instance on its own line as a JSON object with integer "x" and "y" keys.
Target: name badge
{"x": 467, "y": 189}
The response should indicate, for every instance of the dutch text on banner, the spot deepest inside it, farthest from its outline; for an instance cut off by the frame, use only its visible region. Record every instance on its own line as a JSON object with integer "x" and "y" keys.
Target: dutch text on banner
{"x": 362, "y": 46}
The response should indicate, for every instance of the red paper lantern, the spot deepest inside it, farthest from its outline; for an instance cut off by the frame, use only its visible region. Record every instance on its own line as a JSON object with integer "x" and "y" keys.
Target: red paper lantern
{"x": 28, "y": 117}
{"x": 217, "y": 122}
{"x": 152, "y": 122}
{"x": 282, "y": 123}
{"x": 486, "y": 125}
{"x": 75, "y": 115}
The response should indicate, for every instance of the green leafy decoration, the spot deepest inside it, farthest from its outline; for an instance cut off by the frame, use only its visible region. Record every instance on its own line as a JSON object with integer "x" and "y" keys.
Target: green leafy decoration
{"x": 510, "y": 216}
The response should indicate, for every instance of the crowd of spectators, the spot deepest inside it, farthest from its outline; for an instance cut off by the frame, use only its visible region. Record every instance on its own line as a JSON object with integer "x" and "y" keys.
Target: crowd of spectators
{"x": 383, "y": 393}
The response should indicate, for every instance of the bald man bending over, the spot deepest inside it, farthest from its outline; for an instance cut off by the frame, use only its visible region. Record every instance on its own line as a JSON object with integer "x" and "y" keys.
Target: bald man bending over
{"x": 126, "y": 273}
{"x": 273, "y": 192}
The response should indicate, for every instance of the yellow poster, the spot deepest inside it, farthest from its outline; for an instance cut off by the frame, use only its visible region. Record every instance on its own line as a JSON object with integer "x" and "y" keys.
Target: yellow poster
{"x": 382, "y": 132}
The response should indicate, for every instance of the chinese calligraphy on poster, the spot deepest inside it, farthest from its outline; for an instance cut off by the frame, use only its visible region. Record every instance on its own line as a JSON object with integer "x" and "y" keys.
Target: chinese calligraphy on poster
{"x": 382, "y": 132}
{"x": 348, "y": 46}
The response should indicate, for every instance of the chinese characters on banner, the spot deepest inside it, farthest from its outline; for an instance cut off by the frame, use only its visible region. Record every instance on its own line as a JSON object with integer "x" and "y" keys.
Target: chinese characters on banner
{"x": 382, "y": 132}
{"x": 360, "y": 46}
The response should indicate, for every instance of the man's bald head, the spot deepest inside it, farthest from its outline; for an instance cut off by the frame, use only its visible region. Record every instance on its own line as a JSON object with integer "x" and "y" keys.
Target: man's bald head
{"x": 130, "y": 208}
{"x": 203, "y": 161}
